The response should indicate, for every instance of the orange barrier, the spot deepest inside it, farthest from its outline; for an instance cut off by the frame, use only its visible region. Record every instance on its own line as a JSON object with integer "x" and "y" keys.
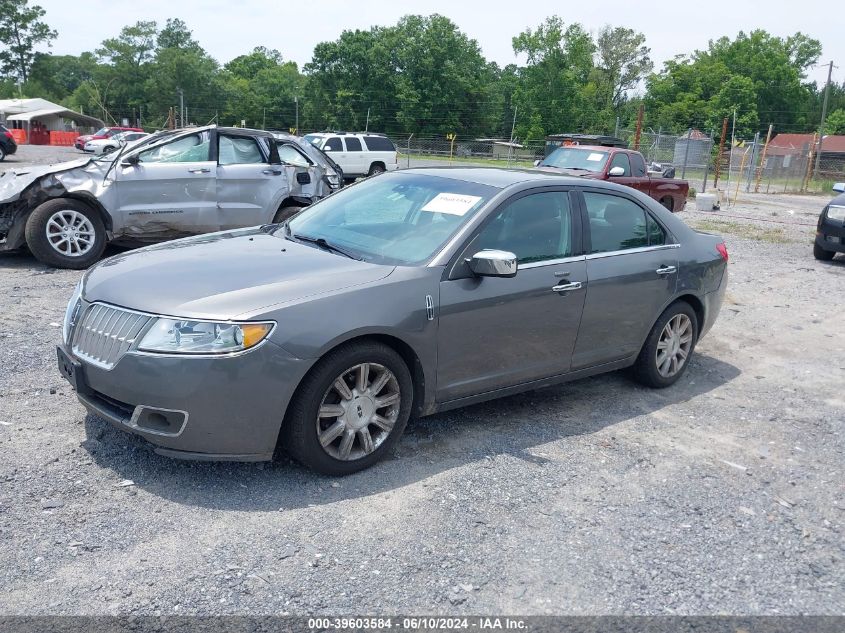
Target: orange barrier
{"x": 63, "y": 138}
{"x": 19, "y": 136}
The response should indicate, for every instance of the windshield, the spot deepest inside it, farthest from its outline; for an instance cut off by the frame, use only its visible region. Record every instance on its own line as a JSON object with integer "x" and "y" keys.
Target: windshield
{"x": 396, "y": 218}
{"x": 313, "y": 139}
{"x": 576, "y": 158}
{"x": 102, "y": 131}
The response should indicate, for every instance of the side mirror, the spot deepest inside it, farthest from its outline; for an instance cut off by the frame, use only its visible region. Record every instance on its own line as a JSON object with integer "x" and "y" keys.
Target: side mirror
{"x": 130, "y": 161}
{"x": 493, "y": 263}
{"x": 615, "y": 172}
{"x": 536, "y": 163}
{"x": 839, "y": 187}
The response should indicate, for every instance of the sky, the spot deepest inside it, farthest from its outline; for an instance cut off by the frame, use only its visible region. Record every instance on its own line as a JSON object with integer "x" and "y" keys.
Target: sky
{"x": 227, "y": 29}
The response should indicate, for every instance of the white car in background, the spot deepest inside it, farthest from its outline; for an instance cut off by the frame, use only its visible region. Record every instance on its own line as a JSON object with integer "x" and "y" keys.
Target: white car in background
{"x": 106, "y": 145}
{"x": 357, "y": 153}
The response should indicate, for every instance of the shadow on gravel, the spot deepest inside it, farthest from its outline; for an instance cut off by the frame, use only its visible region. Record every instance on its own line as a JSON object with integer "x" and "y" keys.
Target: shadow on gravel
{"x": 509, "y": 426}
{"x": 22, "y": 259}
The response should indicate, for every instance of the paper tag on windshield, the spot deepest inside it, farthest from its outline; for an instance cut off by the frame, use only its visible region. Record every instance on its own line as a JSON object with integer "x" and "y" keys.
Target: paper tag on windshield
{"x": 451, "y": 203}
{"x": 595, "y": 156}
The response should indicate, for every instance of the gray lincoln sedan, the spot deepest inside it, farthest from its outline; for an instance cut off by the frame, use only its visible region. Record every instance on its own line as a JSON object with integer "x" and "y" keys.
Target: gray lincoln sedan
{"x": 406, "y": 294}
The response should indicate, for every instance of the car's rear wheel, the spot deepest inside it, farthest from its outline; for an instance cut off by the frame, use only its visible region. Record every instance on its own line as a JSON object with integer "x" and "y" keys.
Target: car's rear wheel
{"x": 669, "y": 346}
{"x": 65, "y": 233}
{"x": 667, "y": 202}
{"x": 375, "y": 169}
{"x": 350, "y": 410}
{"x": 821, "y": 254}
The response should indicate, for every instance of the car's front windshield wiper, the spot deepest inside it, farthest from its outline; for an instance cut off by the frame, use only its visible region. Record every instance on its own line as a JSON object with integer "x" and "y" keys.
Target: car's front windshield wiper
{"x": 321, "y": 242}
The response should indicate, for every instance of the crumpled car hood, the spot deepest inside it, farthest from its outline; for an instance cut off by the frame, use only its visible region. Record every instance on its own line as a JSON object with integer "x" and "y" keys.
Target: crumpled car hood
{"x": 223, "y": 275}
{"x": 14, "y": 181}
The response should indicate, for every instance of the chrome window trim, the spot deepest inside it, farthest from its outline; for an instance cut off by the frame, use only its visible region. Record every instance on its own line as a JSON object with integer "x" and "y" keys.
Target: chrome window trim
{"x": 551, "y": 262}
{"x": 629, "y": 251}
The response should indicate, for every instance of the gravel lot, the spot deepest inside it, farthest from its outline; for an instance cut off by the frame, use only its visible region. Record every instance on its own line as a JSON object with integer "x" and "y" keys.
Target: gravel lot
{"x": 720, "y": 495}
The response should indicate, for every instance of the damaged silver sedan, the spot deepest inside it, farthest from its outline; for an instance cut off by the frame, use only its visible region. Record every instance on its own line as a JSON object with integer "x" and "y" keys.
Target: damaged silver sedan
{"x": 171, "y": 184}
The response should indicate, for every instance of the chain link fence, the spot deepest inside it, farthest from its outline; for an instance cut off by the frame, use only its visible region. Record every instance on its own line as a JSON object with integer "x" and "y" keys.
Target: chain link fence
{"x": 749, "y": 167}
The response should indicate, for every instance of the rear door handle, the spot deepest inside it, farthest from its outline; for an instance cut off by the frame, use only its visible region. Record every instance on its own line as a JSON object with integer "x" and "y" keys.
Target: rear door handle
{"x": 573, "y": 285}
{"x": 200, "y": 170}
{"x": 666, "y": 270}
{"x": 274, "y": 172}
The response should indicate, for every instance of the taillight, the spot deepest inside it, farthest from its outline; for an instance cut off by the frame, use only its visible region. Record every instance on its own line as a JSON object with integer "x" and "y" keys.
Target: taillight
{"x": 9, "y": 134}
{"x": 723, "y": 250}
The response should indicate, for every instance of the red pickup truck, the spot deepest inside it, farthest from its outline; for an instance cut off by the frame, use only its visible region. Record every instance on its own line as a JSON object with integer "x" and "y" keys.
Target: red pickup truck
{"x": 623, "y": 166}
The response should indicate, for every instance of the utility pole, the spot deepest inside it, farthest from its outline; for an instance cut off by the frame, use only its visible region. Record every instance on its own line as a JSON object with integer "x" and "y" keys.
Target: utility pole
{"x": 513, "y": 127}
{"x": 296, "y": 102}
{"x": 367, "y": 124}
{"x": 181, "y": 107}
{"x": 824, "y": 115}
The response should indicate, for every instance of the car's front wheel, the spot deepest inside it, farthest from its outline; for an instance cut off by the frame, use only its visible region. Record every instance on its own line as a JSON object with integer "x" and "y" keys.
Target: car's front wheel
{"x": 65, "y": 233}
{"x": 350, "y": 410}
{"x": 821, "y": 254}
{"x": 669, "y": 346}
{"x": 2, "y": 154}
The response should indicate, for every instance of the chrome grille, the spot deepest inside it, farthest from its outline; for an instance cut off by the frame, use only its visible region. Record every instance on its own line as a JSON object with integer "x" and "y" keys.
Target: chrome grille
{"x": 105, "y": 333}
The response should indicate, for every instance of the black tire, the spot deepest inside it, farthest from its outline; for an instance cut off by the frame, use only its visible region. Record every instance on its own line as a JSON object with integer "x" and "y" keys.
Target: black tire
{"x": 348, "y": 181}
{"x": 107, "y": 149}
{"x": 821, "y": 254}
{"x": 375, "y": 169}
{"x": 645, "y": 368}
{"x": 2, "y": 153}
{"x": 40, "y": 246}
{"x": 299, "y": 436}
{"x": 286, "y": 213}
{"x": 667, "y": 202}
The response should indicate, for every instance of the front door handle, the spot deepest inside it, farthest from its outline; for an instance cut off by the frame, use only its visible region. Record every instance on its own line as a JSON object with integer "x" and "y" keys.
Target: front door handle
{"x": 573, "y": 285}
{"x": 274, "y": 172}
{"x": 666, "y": 270}
{"x": 200, "y": 170}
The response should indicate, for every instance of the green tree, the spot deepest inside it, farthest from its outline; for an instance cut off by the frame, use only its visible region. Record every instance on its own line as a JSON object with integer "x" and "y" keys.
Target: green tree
{"x": 550, "y": 96}
{"x": 835, "y": 122}
{"x": 21, "y": 29}
{"x": 622, "y": 61}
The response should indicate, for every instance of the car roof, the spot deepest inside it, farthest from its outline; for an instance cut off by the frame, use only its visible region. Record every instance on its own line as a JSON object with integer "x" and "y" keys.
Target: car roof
{"x": 499, "y": 177}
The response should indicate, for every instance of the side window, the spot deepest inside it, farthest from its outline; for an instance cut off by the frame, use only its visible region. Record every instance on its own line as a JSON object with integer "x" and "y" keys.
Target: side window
{"x": 616, "y": 223}
{"x": 239, "y": 150}
{"x": 637, "y": 165}
{"x": 379, "y": 144}
{"x": 334, "y": 144}
{"x": 185, "y": 149}
{"x": 535, "y": 228}
{"x": 621, "y": 160}
{"x": 291, "y": 156}
{"x": 352, "y": 144}
{"x": 656, "y": 234}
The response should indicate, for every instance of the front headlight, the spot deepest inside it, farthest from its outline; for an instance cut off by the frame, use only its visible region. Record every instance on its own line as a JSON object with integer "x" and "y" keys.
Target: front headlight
{"x": 184, "y": 336}
{"x": 836, "y": 212}
{"x": 72, "y": 312}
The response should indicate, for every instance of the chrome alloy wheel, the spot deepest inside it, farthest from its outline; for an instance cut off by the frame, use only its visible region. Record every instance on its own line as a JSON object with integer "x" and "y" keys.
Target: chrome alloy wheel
{"x": 70, "y": 233}
{"x": 358, "y": 411}
{"x": 674, "y": 345}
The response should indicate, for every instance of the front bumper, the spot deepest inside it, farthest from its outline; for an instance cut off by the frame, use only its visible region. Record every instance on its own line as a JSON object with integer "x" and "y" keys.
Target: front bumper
{"x": 831, "y": 237}
{"x": 225, "y": 408}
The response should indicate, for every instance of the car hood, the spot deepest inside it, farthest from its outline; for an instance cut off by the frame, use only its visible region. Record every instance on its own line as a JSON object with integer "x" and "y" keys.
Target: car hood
{"x": 14, "y": 181}
{"x": 228, "y": 275}
{"x": 595, "y": 175}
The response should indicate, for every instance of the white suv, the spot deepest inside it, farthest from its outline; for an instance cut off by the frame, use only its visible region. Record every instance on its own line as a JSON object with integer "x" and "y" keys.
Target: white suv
{"x": 358, "y": 154}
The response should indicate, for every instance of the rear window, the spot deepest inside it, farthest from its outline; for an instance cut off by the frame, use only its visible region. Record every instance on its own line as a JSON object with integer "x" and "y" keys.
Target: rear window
{"x": 379, "y": 144}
